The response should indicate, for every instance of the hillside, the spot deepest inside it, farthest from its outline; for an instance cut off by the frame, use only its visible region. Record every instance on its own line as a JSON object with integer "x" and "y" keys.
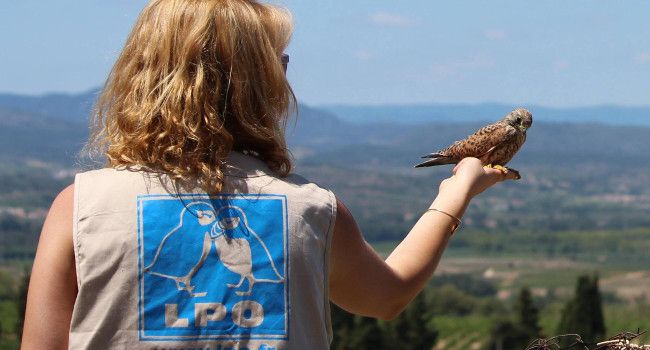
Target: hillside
{"x": 76, "y": 107}
{"x": 26, "y": 136}
{"x": 581, "y": 206}
{"x": 72, "y": 107}
{"x": 577, "y": 176}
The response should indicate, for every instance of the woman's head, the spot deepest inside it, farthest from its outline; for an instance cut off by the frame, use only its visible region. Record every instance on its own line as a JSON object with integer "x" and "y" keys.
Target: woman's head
{"x": 197, "y": 79}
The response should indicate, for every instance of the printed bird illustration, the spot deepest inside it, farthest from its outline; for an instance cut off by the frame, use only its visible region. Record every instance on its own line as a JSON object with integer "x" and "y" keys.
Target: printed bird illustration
{"x": 233, "y": 238}
{"x": 191, "y": 237}
{"x": 494, "y": 144}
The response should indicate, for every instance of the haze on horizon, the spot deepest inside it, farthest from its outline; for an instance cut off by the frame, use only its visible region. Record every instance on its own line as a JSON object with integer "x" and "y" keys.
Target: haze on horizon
{"x": 553, "y": 53}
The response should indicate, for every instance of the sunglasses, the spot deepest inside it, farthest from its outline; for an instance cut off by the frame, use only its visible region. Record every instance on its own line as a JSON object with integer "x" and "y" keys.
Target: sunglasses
{"x": 285, "y": 61}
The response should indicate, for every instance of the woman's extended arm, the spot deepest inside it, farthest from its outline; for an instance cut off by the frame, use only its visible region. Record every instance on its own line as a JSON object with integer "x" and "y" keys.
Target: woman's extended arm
{"x": 363, "y": 283}
{"x": 53, "y": 285}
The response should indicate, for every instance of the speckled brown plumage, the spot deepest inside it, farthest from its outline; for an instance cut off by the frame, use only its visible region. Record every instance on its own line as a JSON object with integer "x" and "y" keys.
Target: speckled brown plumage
{"x": 494, "y": 144}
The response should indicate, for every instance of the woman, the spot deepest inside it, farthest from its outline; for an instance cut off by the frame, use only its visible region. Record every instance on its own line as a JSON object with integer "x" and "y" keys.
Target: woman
{"x": 196, "y": 235}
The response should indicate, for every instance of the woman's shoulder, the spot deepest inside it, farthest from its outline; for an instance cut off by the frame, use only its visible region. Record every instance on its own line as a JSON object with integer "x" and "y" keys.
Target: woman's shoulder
{"x": 64, "y": 199}
{"x": 109, "y": 176}
{"x": 103, "y": 171}
{"x": 241, "y": 165}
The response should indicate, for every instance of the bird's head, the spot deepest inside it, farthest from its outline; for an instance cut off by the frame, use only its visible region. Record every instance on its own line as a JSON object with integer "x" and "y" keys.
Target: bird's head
{"x": 520, "y": 118}
{"x": 202, "y": 211}
{"x": 206, "y": 217}
{"x": 223, "y": 225}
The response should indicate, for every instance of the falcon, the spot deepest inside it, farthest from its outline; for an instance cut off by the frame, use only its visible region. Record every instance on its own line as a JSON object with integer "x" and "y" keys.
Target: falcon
{"x": 494, "y": 144}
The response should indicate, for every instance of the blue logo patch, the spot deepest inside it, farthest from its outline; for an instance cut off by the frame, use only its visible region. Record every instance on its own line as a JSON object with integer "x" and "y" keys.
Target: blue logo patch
{"x": 213, "y": 267}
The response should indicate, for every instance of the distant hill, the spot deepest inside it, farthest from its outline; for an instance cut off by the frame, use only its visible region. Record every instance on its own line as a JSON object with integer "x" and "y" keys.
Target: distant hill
{"x": 422, "y": 114}
{"x": 56, "y": 127}
{"x": 580, "y": 176}
{"x": 26, "y": 136}
{"x": 73, "y": 107}
{"x": 547, "y": 143}
{"x": 77, "y": 107}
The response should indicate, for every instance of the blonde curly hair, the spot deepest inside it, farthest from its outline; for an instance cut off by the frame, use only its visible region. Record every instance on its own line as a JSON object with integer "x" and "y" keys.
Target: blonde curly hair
{"x": 196, "y": 80}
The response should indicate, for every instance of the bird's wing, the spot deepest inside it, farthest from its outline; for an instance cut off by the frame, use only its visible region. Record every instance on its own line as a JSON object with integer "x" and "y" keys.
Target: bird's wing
{"x": 482, "y": 142}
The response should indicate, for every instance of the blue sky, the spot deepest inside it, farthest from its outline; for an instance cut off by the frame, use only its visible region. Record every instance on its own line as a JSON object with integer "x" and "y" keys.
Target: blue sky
{"x": 552, "y": 52}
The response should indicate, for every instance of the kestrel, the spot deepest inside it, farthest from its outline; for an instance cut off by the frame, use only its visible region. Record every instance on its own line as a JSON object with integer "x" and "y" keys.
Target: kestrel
{"x": 494, "y": 144}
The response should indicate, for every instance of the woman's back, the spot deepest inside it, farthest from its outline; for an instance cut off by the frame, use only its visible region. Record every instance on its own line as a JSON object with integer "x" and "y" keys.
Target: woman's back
{"x": 245, "y": 268}
{"x": 248, "y": 267}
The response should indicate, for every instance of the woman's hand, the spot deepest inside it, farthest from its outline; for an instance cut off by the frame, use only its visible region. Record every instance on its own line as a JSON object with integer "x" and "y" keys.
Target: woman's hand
{"x": 469, "y": 179}
{"x": 472, "y": 178}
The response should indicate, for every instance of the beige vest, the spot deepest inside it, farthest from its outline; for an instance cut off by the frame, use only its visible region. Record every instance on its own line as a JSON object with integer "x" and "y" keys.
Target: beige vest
{"x": 178, "y": 270}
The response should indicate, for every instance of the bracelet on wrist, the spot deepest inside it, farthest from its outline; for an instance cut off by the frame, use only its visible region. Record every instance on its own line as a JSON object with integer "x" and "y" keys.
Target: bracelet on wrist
{"x": 456, "y": 220}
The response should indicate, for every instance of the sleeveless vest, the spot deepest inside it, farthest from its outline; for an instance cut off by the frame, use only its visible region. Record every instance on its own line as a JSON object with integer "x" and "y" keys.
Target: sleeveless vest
{"x": 161, "y": 268}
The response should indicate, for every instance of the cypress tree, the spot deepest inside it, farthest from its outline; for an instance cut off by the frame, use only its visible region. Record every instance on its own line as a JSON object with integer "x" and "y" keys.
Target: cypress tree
{"x": 528, "y": 314}
{"x": 396, "y": 335}
{"x": 411, "y": 330}
{"x": 420, "y": 335}
{"x": 22, "y": 303}
{"x": 367, "y": 335}
{"x": 355, "y": 332}
{"x": 342, "y": 327}
{"x": 596, "y": 308}
{"x": 583, "y": 314}
{"x": 505, "y": 334}
{"x": 516, "y": 334}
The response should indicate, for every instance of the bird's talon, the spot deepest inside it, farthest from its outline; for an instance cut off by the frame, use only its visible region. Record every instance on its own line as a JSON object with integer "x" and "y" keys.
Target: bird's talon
{"x": 501, "y": 168}
{"x": 515, "y": 172}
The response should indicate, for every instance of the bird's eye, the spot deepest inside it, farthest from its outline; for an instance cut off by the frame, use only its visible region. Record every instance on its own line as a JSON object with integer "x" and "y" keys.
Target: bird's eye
{"x": 518, "y": 120}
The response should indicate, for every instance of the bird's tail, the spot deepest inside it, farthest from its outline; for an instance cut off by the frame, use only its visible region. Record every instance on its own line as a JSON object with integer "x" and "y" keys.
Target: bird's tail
{"x": 436, "y": 159}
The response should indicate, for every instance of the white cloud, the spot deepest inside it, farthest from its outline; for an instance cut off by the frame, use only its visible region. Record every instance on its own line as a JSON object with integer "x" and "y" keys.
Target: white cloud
{"x": 393, "y": 20}
{"x": 494, "y": 34}
{"x": 642, "y": 58}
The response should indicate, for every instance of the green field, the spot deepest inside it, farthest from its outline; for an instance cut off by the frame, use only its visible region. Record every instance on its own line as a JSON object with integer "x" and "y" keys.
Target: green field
{"x": 470, "y": 332}
{"x": 624, "y": 285}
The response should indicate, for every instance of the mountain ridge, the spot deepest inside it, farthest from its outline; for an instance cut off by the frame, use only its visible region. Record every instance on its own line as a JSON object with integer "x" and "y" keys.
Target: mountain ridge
{"x": 484, "y": 112}
{"x": 575, "y": 175}
{"x": 78, "y": 107}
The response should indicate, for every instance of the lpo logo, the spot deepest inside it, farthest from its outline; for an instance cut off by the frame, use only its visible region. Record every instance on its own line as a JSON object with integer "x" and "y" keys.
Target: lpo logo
{"x": 213, "y": 267}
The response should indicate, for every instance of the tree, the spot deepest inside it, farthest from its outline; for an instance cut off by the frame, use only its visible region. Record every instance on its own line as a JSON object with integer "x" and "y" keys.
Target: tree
{"x": 583, "y": 314}
{"x": 342, "y": 326}
{"x": 411, "y": 330}
{"x": 22, "y": 303}
{"x": 355, "y": 332}
{"x": 506, "y": 334}
{"x": 528, "y": 314}
{"x": 516, "y": 334}
{"x": 367, "y": 335}
{"x": 450, "y": 300}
